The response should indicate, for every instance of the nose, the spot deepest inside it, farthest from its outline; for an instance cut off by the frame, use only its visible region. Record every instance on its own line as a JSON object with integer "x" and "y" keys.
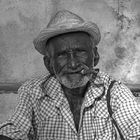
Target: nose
{"x": 73, "y": 63}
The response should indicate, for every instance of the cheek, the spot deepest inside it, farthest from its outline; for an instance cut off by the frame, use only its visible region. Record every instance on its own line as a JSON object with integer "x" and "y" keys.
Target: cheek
{"x": 59, "y": 64}
{"x": 89, "y": 60}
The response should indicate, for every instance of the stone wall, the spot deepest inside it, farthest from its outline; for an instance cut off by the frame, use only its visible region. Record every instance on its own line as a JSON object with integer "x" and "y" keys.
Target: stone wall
{"x": 21, "y": 21}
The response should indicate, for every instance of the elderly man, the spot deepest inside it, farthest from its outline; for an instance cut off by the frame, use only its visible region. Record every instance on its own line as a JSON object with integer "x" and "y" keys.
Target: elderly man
{"x": 74, "y": 101}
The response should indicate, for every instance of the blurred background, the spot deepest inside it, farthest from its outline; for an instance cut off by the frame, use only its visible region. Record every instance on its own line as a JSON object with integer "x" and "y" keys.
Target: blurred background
{"x": 22, "y": 20}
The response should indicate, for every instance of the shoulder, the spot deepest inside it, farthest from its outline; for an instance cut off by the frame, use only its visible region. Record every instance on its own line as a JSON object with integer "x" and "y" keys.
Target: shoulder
{"x": 33, "y": 86}
{"x": 32, "y": 83}
{"x": 103, "y": 78}
{"x": 119, "y": 90}
{"x": 118, "y": 85}
{"x": 120, "y": 94}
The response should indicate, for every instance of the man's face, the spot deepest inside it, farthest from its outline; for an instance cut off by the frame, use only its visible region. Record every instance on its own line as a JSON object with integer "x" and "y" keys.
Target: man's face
{"x": 70, "y": 54}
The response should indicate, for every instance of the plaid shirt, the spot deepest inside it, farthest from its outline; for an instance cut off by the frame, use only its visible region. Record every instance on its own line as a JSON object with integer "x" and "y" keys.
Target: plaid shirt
{"x": 43, "y": 112}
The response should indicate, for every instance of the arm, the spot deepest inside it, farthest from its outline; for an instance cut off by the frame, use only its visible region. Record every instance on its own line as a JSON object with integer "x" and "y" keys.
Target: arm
{"x": 19, "y": 125}
{"x": 4, "y": 138}
{"x": 126, "y": 111}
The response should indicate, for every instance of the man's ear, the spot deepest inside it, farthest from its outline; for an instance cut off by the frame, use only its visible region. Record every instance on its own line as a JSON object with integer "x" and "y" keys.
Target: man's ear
{"x": 48, "y": 65}
{"x": 96, "y": 57}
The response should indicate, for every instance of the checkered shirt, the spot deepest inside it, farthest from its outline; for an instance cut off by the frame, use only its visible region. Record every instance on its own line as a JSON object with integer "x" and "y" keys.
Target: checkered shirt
{"x": 43, "y": 112}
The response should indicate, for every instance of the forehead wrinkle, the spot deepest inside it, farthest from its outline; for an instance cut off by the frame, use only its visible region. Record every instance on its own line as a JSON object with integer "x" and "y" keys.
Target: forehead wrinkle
{"x": 68, "y": 42}
{"x": 71, "y": 41}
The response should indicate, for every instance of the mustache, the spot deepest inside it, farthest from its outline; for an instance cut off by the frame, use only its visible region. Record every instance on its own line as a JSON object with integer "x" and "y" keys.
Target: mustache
{"x": 83, "y": 69}
{"x": 66, "y": 70}
{"x": 72, "y": 71}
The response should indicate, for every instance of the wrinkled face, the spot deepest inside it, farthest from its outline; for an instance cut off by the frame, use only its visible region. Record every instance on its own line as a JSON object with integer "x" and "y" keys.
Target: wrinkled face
{"x": 70, "y": 54}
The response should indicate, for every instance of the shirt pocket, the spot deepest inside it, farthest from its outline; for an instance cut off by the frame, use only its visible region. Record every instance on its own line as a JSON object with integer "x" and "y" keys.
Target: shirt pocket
{"x": 48, "y": 110}
{"x": 51, "y": 124}
{"x": 101, "y": 121}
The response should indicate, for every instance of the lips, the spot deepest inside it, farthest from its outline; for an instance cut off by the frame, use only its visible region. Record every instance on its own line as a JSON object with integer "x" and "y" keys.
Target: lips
{"x": 80, "y": 70}
{"x": 72, "y": 72}
{"x": 75, "y": 72}
{"x": 74, "y": 77}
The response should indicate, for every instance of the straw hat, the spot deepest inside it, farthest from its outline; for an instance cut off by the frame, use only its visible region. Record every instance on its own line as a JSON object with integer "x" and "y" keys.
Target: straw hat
{"x": 63, "y": 22}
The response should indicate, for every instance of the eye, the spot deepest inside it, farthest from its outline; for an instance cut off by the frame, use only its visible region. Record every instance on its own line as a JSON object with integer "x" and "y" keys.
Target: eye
{"x": 61, "y": 56}
{"x": 61, "y": 59}
{"x": 81, "y": 54}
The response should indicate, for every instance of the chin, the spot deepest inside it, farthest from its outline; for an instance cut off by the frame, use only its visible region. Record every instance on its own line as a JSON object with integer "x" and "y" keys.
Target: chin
{"x": 73, "y": 84}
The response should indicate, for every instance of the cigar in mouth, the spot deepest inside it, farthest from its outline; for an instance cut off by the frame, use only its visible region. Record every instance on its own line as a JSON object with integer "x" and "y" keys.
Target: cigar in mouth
{"x": 89, "y": 71}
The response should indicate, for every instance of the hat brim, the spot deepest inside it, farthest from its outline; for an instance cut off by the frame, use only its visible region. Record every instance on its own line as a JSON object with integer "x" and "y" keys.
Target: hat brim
{"x": 89, "y": 27}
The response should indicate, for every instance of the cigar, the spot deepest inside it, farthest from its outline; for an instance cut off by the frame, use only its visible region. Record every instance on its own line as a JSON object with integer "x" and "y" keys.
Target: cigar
{"x": 89, "y": 71}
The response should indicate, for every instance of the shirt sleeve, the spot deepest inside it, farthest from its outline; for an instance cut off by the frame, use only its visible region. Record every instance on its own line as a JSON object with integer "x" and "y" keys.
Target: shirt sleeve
{"x": 19, "y": 124}
{"x": 126, "y": 112}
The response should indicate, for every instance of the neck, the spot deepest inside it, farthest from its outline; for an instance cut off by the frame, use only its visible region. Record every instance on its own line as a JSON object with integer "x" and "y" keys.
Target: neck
{"x": 76, "y": 92}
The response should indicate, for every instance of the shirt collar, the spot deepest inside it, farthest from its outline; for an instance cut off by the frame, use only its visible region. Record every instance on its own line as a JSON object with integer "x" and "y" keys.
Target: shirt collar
{"x": 52, "y": 88}
{"x": 95, "y": 90}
